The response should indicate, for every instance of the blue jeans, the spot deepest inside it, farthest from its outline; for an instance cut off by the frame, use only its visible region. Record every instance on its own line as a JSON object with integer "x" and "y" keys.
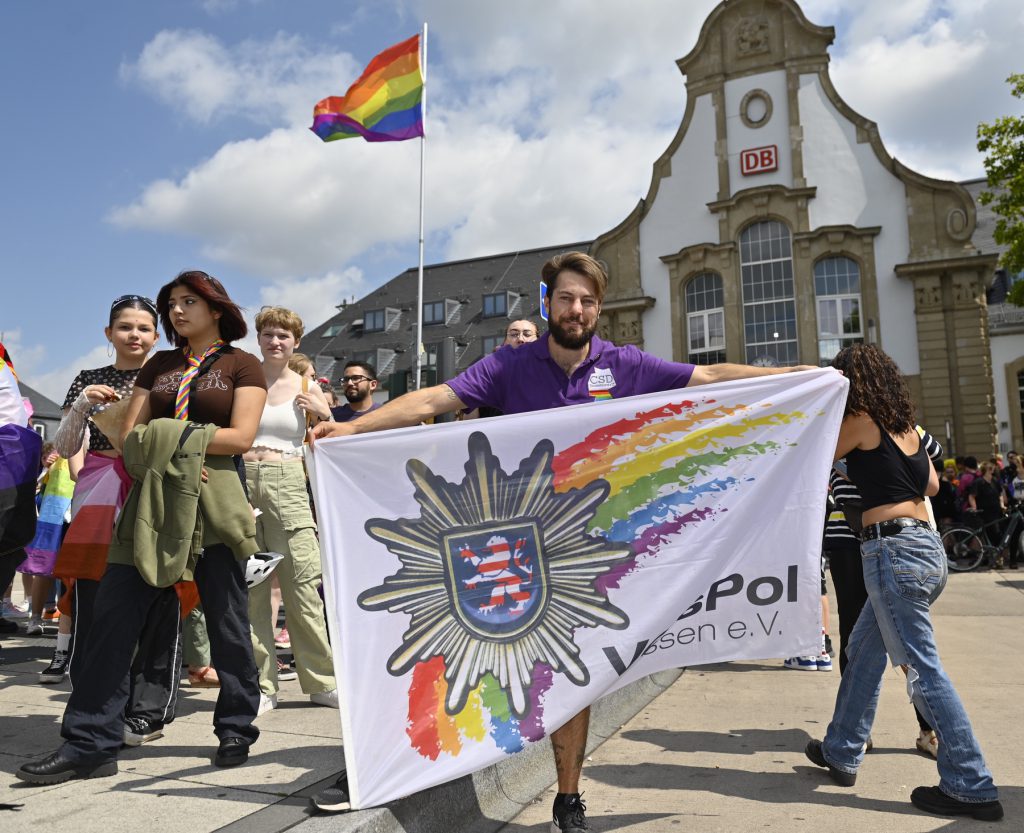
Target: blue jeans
{"x": 904, "y": 574}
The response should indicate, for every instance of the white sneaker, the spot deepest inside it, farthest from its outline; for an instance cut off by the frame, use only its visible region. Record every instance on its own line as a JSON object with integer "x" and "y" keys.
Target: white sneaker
{"x": 12, "y": 610}
{"x": 34, "y": 627}
{"x": 325, "y": 698}
{"x": 267, "y": 702}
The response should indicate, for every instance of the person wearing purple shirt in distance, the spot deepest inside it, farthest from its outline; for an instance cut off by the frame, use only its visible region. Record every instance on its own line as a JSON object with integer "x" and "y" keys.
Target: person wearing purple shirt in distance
{"x": 568, "y": 366}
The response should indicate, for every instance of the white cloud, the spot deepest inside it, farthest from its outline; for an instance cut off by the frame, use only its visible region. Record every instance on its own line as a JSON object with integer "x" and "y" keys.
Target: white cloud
{"x": 35, "y": 368}
{"x": 545, "y": 118}
{"x": 269, "y": 82}
{"x": 314, "y": 299}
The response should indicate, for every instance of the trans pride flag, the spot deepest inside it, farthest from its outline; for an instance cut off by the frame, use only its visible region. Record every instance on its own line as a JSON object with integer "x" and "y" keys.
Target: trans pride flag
{"x": 487, "y": 580}
{"x": 384, "y": 105}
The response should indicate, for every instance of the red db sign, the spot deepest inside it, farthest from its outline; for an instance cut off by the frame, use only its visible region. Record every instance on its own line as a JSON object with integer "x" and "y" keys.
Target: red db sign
{"x": 759, "y": 160}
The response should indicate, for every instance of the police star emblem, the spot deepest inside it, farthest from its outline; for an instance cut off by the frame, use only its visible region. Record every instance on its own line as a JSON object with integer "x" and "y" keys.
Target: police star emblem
{"x": 497, "y": 573}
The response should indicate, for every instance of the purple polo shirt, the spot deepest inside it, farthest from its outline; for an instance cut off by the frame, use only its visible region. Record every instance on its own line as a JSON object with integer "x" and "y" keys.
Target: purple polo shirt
{"x": 528, "y": 379}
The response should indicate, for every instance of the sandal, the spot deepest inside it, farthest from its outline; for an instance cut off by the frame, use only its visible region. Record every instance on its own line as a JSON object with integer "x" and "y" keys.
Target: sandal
{"x": 928, "y": 743}
{"x": 205, "y": 676}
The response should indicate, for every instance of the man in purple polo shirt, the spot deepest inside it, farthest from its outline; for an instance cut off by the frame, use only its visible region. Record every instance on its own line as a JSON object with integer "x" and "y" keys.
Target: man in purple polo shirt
{"x": 568, "y": 366}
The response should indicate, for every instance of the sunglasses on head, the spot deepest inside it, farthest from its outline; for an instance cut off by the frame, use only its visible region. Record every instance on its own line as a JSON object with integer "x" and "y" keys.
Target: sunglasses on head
{"x": 127, "y": 299}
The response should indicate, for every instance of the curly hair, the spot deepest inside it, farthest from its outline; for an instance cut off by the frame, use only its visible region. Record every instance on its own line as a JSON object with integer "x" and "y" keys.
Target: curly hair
{"x": 876, "y": 388}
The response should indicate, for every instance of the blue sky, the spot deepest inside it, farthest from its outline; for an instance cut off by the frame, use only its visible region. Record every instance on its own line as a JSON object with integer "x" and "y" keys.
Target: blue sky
{"x": 144, "y": 138}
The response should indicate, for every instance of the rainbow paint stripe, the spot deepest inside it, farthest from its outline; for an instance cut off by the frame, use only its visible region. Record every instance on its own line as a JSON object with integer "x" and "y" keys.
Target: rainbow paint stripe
{"x": 384, "y": 105}
{"x": 659, "y": 463}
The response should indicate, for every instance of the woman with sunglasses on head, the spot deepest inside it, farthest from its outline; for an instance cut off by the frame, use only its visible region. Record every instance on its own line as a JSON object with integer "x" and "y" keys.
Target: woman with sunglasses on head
{"x": 199, "y": 405}
{"x": 100, "y": 489}
{"x": 904, "y": 567}
{"x": 277, "y": 488}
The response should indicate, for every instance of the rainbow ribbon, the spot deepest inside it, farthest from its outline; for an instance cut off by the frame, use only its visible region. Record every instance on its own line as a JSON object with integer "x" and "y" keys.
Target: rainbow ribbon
{"x": 185, "y": 387}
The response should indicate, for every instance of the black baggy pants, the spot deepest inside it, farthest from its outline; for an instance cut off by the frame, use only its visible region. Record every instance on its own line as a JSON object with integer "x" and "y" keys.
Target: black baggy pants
{"x": 92, "y": 725}
{"x": 156, "y": 668}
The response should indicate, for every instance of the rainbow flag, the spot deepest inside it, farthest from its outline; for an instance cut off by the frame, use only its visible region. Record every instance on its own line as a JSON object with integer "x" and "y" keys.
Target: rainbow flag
{"x": 384, "y": 105}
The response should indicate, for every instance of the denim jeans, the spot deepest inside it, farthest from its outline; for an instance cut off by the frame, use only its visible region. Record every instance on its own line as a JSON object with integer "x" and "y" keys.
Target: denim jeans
{"x": 904, "y": 574}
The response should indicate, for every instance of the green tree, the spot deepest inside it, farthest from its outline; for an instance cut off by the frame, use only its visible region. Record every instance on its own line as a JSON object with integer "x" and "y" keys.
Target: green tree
{"x": 1002, "y": 142}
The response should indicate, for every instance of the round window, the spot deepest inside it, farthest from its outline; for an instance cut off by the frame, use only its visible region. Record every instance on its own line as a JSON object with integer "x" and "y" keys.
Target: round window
{"x": 756, "y": 108}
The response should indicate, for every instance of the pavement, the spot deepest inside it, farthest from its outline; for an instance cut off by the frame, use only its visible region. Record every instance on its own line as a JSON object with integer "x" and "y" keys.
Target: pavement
{"x": 718, "y": 748}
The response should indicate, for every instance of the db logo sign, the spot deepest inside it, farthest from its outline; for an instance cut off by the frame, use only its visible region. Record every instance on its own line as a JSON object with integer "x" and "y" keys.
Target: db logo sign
{"x": 759, "y": 160}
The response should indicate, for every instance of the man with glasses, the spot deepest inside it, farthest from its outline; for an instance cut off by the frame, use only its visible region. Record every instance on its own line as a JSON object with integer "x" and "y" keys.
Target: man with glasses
{"x": 358, "y": 382}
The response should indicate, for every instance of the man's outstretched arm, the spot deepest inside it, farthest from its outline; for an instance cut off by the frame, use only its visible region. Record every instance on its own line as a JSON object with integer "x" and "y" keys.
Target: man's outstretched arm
{"x": 709, "y": 373}
{"x": 410, "y": 409}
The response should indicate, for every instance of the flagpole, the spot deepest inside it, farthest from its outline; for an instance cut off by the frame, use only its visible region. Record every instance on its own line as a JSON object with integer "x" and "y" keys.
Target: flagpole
{"x": 419, "y": 279}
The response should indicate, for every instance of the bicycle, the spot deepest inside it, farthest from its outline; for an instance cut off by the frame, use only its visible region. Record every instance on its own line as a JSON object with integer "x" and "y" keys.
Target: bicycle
{"x": 967, "y": 548}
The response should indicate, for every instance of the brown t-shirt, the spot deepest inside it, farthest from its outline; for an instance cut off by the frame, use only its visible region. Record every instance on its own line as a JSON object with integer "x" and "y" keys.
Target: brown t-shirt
{"x": 213, "y": 392}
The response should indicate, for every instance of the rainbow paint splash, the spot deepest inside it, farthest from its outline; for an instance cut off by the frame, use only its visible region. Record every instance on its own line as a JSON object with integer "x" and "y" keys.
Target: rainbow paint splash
{"x": 660, "y": 464}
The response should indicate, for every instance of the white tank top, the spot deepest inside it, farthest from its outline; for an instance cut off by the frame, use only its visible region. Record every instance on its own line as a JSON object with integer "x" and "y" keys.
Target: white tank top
{"x": 282, "y": 428}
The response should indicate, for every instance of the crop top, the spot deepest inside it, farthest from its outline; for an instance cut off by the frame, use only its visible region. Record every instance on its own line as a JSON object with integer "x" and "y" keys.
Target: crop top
{"x": 886, "y": 475}
{"x": 282, "y": 428}
{"x": 120, "y": 380}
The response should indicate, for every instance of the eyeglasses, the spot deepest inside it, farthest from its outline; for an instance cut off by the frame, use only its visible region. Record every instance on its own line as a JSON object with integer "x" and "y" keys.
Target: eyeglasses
{"x": 354, "y": 380}
{"x": 524, "y": 333}
{"x": 127, "y": 299}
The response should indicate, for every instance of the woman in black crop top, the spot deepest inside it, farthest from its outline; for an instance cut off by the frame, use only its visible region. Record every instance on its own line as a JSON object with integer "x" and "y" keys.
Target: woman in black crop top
{"x": 102, "y": 483}
{"x": 904, "y": 572}
{"x": 203, "y": 380}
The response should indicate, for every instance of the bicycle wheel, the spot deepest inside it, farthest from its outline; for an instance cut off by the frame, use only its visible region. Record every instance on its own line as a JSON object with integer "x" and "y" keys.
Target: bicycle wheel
{"x": 964, "y": 548}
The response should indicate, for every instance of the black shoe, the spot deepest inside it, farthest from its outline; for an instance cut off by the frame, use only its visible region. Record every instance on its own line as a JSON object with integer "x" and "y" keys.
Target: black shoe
{"x": 828, "y": 646}
{"x": 57, "y": 768}
{"x": 232, "y": 752}
{"x": 569, "y": 814}
{"x": 934, "y": 800}
{"x": 334, "y": 799}
{"x": 7, "y": 626}
{"x": 139, "y": 730}
{"x": 815, "y": 756}
{"x": 57, "y": 670}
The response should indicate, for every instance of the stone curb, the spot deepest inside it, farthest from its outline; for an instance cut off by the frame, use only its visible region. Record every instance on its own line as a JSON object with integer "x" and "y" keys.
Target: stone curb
{"x": 478, "y": 803}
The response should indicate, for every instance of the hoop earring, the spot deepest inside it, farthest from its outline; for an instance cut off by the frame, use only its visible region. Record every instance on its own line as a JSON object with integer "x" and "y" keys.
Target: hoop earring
{"x": 110, "y": 349}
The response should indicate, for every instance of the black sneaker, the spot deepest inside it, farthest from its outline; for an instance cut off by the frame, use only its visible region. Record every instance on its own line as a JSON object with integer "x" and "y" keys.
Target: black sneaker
{"x": 335, "y": 798}
{"x": 56, "y": 670}
{"x": 7, "y": 626}
{"x": 139, "y": 730}
{"x": 569, "y": 814}
{"x": 828, "y": 646}
{"x": 816, "y": 756}
{"x": 934, "y": 800}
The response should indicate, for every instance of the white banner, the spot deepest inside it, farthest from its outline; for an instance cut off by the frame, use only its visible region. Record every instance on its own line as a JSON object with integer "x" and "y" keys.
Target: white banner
{"x": 487, "y": 580}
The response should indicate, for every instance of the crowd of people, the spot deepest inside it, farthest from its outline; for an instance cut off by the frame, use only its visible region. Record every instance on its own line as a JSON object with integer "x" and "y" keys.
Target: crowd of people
{"x": 189, "y": 491}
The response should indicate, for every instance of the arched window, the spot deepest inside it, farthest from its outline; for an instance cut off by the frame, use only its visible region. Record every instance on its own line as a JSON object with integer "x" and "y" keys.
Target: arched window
{"x": 837, "y": 293}
{"x": 769, "y": 305}
{"x": 705, "y": 319}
